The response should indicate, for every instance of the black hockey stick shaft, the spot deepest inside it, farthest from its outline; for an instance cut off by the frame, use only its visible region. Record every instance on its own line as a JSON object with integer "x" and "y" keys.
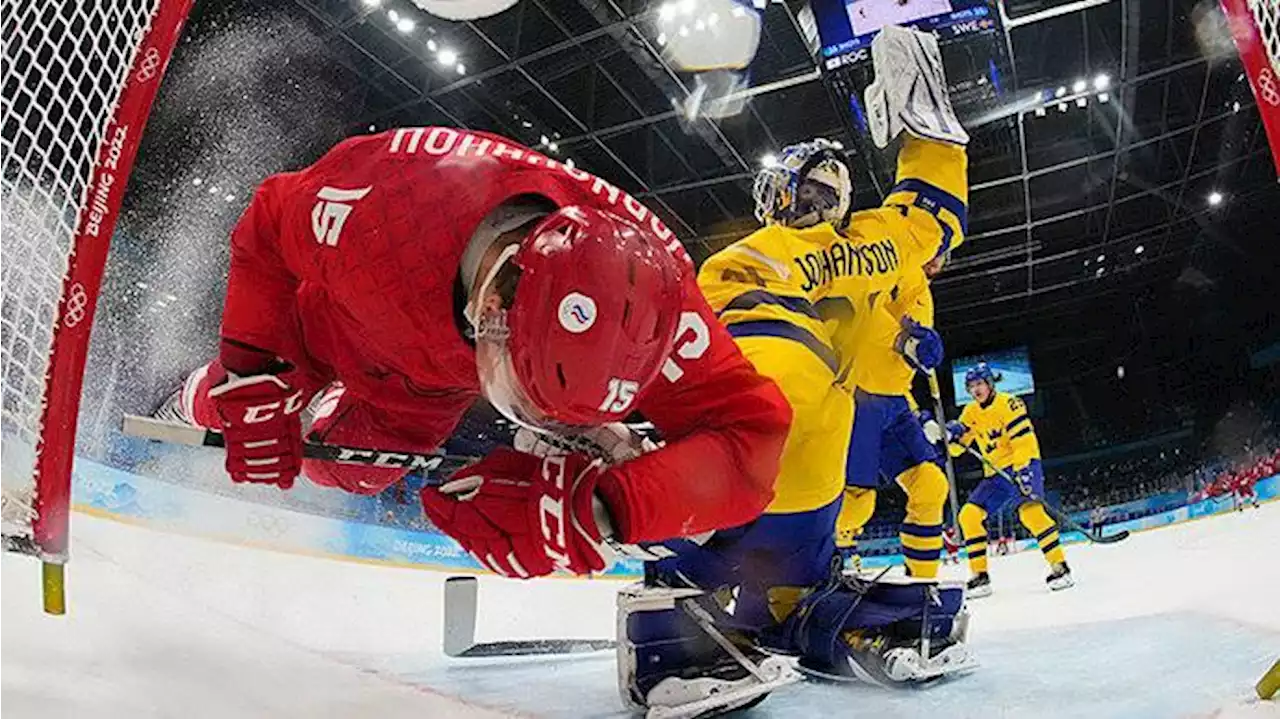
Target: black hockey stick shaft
{"x": 424, "y": 462}
{"x": 1058, "y": 515}
{"x": 940, "y": 416}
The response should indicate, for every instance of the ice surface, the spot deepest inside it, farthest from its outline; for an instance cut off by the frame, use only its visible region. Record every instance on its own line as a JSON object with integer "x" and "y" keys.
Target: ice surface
{"x": 1173, "y": 622}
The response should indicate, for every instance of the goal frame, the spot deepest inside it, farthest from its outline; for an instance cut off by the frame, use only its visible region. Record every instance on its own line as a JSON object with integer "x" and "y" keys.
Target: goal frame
{"x": 98, "y": 209}
{"x": 1260, "y": 67}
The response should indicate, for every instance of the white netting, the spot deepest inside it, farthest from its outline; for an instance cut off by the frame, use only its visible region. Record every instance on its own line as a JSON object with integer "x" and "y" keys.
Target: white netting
{"x": 65, "y": 63}
{"x": 1266, "y": 15}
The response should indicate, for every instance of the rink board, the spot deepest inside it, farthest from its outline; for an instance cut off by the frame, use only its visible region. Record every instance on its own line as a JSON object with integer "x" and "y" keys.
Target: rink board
{"x": 106, "y": 491}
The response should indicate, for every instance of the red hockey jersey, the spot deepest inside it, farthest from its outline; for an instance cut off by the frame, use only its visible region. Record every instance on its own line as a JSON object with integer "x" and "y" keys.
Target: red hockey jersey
{"x": 349, "y": 270}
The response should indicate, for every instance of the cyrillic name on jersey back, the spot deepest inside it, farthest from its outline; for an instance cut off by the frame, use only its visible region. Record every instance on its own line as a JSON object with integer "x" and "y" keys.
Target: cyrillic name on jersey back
{"x": 439, "y": 141}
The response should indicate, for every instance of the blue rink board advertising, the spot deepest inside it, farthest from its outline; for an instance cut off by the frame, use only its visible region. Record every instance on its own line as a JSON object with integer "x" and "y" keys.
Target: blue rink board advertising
{"x": 1013, "y": 366}
{"x": 110, "y": 491}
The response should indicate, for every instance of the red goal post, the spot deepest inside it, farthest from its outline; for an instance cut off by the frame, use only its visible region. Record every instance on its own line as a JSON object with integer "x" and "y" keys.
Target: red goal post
{"x": 1255, "y": 27}
{"x": 79, "y": 82}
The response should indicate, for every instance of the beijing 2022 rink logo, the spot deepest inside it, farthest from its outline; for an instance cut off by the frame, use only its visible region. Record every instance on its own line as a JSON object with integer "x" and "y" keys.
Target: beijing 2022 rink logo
{"x": 577, "y": 312}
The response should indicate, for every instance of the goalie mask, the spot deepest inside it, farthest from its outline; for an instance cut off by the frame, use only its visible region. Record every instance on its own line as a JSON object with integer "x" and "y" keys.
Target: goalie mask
{"x": 573, "y": 322}
{"x": 808, "y": 184}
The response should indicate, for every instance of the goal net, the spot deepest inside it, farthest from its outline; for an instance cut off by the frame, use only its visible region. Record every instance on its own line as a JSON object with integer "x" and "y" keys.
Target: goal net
{"x": 1255, "y": 27}
{"x": 79, "y": 79}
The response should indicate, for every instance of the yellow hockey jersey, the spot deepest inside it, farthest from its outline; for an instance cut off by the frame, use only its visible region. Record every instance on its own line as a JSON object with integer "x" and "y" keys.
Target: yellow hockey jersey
{"x": 821, "y": 288}
{"x": 879, "y": 368}
{"x": 1001, "y": 430}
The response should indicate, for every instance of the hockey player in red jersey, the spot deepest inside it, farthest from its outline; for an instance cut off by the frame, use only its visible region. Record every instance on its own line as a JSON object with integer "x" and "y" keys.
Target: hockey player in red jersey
{"x": 421, "y": 268}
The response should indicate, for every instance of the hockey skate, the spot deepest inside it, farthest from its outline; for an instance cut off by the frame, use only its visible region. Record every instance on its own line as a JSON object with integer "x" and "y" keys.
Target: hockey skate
{"x": 676, "y": 661}
{"x": 1059, "y": 578}
{"x": 888, "y": 662}
{"x": 893, "y": 632}
{"x": 979, "y": 586}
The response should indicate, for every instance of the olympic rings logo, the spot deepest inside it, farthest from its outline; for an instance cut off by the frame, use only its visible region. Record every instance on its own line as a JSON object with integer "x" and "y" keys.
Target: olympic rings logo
{"x": 77, "y": 304}
{"x": 150, "y": 64}
{"x": 267, "y": 524}
{"x": 1267, "y": 87}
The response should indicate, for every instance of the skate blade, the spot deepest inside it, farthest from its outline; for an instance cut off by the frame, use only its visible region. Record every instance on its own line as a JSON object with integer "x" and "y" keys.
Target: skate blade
{"x": 1059, "y": 586}
{"x": 715, "y": 705}
{"x": 978, "y": 593}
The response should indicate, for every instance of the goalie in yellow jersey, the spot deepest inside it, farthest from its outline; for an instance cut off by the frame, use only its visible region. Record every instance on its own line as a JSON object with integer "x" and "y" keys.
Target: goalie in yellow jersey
{"x": 798, "y": 295}
{"x": 997, "y": 426}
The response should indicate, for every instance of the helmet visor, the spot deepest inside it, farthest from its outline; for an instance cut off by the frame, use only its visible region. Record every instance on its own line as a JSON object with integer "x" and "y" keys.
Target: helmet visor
{"x": 501, "y": 386}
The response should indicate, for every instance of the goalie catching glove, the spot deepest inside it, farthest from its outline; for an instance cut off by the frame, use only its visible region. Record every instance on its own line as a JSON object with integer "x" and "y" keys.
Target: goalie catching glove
{"x": 524, "y": 516}
{"x": 910, "y": 90}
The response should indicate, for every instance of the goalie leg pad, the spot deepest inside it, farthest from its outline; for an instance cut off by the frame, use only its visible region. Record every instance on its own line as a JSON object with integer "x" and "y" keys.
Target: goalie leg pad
{"x": 776, "y": 550}
{"x": 675, "y": 662}
{"x": 889, "y": 632}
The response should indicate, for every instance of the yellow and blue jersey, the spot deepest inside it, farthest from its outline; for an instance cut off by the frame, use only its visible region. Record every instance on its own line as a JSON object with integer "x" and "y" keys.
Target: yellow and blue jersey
{"x": 1001, "y": 430}
{"x": 799, "y": 301}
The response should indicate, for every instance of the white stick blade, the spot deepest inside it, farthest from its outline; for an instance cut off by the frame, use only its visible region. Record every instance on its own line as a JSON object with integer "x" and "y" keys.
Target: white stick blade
{"x": 459, "y": 614}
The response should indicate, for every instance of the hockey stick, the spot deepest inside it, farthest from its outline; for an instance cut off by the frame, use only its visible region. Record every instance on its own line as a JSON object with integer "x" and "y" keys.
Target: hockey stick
{"x": 161, "y": 431}
{"x": 460, "y": 596}
{"x": 950, "y": 467}
{"x": 1058, "y": 515}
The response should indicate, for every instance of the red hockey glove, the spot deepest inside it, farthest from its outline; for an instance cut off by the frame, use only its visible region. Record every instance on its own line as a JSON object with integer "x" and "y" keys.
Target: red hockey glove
{"x": 522, "y": 516}
{"x": 262, "y": 428}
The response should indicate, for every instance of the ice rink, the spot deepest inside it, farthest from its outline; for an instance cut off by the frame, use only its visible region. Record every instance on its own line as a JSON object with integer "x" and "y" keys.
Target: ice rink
{"x": 1176, "y": 622}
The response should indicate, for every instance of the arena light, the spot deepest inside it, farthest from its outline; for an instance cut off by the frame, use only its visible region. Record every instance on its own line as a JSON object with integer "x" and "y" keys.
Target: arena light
{"x": 432, "y": 46}
{"x": 1104, "y": 97}
{"x": 1082, "y": 101}
{"x": 1040, "y": 112}
{"x": 1062, "y": 107}
{"x": 1079, "y": 86}
{"x": 1235, "y": 106}
{"x": 544, "y": 140}
{"x": 1139, "y": 250}
{"x": 667, "y": 11}
{"x": 688, "y": 6}
{"x": 405, "y": 25}
{"x": 461, "y": 69}
{"x": 768, "y": 160}
{"x": 1215, "y": 198}
{"x": 662, "y": 39}
{"x": 1061, "y": 91}
{"x": 1102, "y": 82}
{"x": 447, "y": 57}
{"x": 393, "y": 16}
{"x": 1102, "y": 258}
{"x": 371, "y": 3}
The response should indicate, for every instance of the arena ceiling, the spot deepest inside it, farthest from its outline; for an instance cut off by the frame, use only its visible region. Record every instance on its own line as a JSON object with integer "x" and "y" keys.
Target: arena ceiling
{"x": 1080, "y": 212}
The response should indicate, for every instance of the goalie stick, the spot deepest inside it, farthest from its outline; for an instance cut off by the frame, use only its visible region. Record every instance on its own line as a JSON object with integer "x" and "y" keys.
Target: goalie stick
{"x": 161, "y": 431}
{"x": 460, "y": 597}
{"x": 1062, "y": 518}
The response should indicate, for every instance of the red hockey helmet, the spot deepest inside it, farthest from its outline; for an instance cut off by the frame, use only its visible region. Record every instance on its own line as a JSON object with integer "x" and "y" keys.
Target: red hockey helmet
{"x": 592, "y": 318}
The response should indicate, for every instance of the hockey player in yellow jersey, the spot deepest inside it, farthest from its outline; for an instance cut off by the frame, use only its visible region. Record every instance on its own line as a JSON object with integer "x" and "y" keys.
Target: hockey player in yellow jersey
{"x": 797, "y": 295}
{"x": 996, "y": 425}
{"x": 887, "y": 439}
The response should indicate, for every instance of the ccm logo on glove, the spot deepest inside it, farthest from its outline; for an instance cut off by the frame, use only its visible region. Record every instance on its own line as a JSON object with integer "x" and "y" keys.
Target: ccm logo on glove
{"x": 267, "y": 412}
